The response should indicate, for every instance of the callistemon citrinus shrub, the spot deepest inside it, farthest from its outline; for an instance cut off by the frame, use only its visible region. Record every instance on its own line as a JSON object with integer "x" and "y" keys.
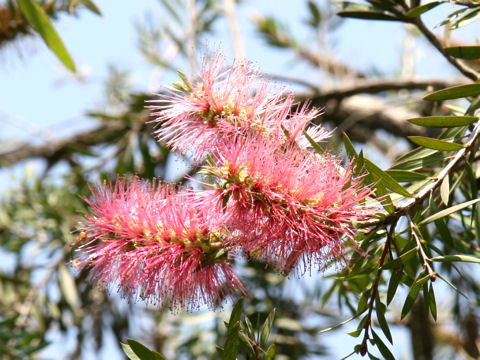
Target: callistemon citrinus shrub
{"x": 266, "y": 194}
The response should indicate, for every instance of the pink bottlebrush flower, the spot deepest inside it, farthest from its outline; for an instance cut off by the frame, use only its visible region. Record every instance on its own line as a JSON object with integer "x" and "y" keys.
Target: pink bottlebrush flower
{"x": 224, "y": 103}
{"x": 286, "y": 205}
{"x": 151, "y": 241}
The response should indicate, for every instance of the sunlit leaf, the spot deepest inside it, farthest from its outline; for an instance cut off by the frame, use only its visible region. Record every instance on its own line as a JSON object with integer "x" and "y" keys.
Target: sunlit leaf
{"x": 448, "y": 211}
{"x": 37, "y": 17}
{"x": 142, "y": 352}
{"x": 466, "y": 19}
{"x": 419, "y": 10}
{"x": 405, "y": 175}
{"x": 454, "y": 258}
{"x": 445, "y": 190}
{"x": 443, "y": 121}
{"x": 435, "y": 143}
{"x": 90, "y": 5}
{"x": 386, "y": 179}
{"x": 454, "y": 92}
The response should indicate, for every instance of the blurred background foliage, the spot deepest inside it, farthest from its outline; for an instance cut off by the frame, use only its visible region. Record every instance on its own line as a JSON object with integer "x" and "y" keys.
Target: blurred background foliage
{"x": 46, "y": 303}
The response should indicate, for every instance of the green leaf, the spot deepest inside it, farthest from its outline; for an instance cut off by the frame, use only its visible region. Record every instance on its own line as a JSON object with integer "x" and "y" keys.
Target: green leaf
{"x": 443, "y": 121}
{"x": 413, "y": 293}
{"x": 315, "y": 12}
{"x": 432, "y": 302}
{"x": 143, "y": 352}
{"x": 419, "y": 10}
{"x": 245, "y": 340}
{"x": 454, "y": 92}
{"x": 466, "y": 19}
{"x": 266, "y": 328}
{"x": 270, "y": 354}
{"x": 37, "y": 17}
{"x": 129, "y": 352}
{"x": 368, "y": 15}
{"x": 363, "y": 301}
{"x": 393, "y": 285}
{"x": 350, "y": 5}
{"x": 231, "y": 344}
{"x": 435, "y": 143}
{"x": 388, "y": 181}
{"x": 315, "y": 145}
{"x": 387, "y": 355}
{"x": 402, "y": 259}
{"x": 447, "y": 211}
{"x": 90, "y": 5}
{"x": 453, "y": 258}
{"x": 69, "y": 288}
{"x": 405, "y": 175}
{"x": 349, "y": 146}
{"x": 185, "y": 81}
{"x": 381, "y": 309}
{"x": 445, "y": 190}
{"x": 340, "y": 324}
{"x": 464, "y": 52}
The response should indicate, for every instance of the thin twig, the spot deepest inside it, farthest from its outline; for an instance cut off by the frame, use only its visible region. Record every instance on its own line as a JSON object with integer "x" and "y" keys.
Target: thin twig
{"x": 423, "y": 255}
{"x": 465, "y": 70}
{"x": 376, "y": 86}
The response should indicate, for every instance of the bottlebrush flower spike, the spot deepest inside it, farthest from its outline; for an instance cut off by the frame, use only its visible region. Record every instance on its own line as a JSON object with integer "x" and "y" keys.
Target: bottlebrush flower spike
{"x": 195, "y": 115}
{"x": 149, "y": 240}
{"x": 287, "y": 205}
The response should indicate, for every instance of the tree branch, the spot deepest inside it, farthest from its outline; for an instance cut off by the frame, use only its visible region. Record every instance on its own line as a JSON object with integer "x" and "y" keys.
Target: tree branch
{"x": 55, "y": 150}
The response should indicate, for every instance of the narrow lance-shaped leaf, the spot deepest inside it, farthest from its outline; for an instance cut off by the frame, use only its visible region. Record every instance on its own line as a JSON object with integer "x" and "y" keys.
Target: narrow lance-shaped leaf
{"x": 460, "y": 258}
{"x": 464, "y": 52}
{"x": 454, "y": 92}
{"x": 368, "y": 15}
{"x": 432, "y": 302}
{"x": 419, "y": 10}
{"x": 443, "y": 121}
{"x": 448, "y": 211}
{"x": 445, "y": 190}
{"x": 405, "y": 175}
{"x": 413, "y": 293}
{"x": 37, "y": 17}
{"x": 315, "y": 145}
{"x": 387, "y": 354}
{"x": 393, "y": 285}
{"x": 381, "y": 309}
{"x": 231, "y": 344}
{"x": 142, "y": 351}
{"x": 402, "y": 259}
{"x": 466, "y": 19}
{"x": 386, "y": 179}
{"x": 266, "y": 328}
{"x": 435, "y": 143}
{"x": 270, "y": 354}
